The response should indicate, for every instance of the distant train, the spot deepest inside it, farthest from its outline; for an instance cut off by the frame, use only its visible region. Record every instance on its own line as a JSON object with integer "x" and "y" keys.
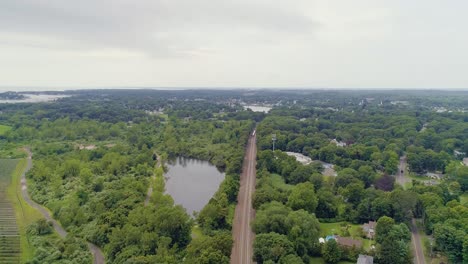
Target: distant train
{"x": 253, "y": 133}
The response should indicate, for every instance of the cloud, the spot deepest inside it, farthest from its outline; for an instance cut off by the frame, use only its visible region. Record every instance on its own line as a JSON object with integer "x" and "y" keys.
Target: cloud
{"x": 160, "y": 28}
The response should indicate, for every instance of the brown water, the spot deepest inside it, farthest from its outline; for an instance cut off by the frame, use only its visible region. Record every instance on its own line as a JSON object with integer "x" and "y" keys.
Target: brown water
{"x": 192, "y": 182}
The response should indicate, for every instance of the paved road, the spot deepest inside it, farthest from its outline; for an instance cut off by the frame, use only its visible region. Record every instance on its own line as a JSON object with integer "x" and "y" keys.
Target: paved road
{"x": 416, "y": 240}
{"x": 401, "y": 177}
{"x": 242, "y": 232}
{"x": 95, "y": 250}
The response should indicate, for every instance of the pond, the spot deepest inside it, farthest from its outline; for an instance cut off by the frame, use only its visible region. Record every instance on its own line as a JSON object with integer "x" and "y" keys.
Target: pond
{"x": 192, "y": 182}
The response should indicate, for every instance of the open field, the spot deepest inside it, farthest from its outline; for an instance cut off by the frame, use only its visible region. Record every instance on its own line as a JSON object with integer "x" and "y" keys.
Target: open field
{"x": 10, "y": 249}
{"x": 4, "y": 129}
{"x": 25, "y": 214}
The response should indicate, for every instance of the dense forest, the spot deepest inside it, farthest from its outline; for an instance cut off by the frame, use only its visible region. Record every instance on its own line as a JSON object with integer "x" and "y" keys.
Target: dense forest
{"x": 96, "y": 153}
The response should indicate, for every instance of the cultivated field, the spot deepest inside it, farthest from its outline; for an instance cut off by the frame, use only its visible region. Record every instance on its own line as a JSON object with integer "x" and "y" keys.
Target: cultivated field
{"x": 10, "y": 249}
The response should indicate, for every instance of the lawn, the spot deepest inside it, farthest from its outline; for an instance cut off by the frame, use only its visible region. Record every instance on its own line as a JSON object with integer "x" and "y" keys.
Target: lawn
{"x": 336, "y": 228}
{"x": 4, "y": 129}
{"x": 25, "y": 214}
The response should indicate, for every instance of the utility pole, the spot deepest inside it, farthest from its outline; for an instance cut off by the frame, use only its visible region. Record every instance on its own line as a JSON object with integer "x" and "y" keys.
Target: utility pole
{"x": 273, "y": 138}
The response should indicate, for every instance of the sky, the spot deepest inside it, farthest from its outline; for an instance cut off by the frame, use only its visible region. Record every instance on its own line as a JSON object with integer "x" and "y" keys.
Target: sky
{"x": 59, "y": 44}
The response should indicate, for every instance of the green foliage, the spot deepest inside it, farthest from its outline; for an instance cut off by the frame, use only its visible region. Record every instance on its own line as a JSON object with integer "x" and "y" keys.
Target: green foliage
{"x": 331, "y": 252}
{"x": 303, "y": 197}
{"x": 39, "y": 228}
{"x": 383, "y": 228}
{"x": 271, "y": 247}
{"x": 210, "y": 250}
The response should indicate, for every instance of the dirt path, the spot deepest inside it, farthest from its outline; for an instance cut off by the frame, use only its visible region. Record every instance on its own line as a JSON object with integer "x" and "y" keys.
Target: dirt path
{"x": 149, "y": 193}
{"x": 242, "y": 232}
{"x": 98, "y": 256}
{"x": 416, "y": 241}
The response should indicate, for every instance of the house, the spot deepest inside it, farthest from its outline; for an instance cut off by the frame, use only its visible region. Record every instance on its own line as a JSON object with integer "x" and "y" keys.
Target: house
{"x": 465, "y": 161}
{"x": 369, "y": 229}
{"x": 364, "y": 259}
{"x": 348, "y": 242}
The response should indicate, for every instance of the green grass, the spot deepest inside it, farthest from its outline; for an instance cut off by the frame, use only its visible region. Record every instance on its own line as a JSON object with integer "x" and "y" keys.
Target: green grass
{"x": 7, "y": 166}
{"x": 4, "y": 129}
{"x": 25, "y": 214}
{"x": 197, "y": 232}
{"x": 336, "y": 228}
{"x": 437, "y": 258}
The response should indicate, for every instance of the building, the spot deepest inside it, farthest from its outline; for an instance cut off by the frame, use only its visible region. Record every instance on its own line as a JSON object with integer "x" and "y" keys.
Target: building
{"x": 364, "y": 259}
{"x": 348, "y": 242}
{"x": 369, "y": 229}
{"x": 465, "y": 161}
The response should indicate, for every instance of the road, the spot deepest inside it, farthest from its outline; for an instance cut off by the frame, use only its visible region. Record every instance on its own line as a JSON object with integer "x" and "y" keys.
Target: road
{"x": 416, "y": 240}
{"x": 242, "y": 232}
{"x": 401, "y": 177}
{"x": 98, "y": 256}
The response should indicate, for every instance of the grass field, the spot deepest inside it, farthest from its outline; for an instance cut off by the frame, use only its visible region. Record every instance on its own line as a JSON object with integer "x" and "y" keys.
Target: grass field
{"x": 25, "y": 214}
{"x": 7, "y": 166}
{"x": 4, "y": 129}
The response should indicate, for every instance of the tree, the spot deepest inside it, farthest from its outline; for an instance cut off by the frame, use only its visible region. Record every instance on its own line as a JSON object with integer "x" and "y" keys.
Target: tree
{"x": 331, "y": 252}
{"x": 291, "y": 259}
{"x": 385, "y": 183}
{"x": 271, "y": 247}
{"x": 272, "y": 218}
{"x": 465, "y": 249}
{"x": 354, "y": 193}
{"x": 451, "y": 240}
{"x": 210, "y": 250}
{"x": 303, "y": 197}
{"x": 383, "y": 228}
{"x": 304, "y": 229}
{"x": 394, "y": 252}
{"x": 327, "y": 204}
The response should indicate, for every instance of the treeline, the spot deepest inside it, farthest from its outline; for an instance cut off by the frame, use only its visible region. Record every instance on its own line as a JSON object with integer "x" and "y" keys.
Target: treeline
{"x": 289, "y": 210}
{"x": 94, "y": 161}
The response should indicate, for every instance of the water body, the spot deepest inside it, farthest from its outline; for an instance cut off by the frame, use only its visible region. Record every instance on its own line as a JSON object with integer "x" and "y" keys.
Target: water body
{"x": 192, "y": 183}
{"x": 34, "y": 98}
{"x": 257, "y": 108}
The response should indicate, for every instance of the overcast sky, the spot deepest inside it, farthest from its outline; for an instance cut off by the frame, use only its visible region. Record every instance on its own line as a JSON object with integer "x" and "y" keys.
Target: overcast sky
{"x": 234, "y": 43}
